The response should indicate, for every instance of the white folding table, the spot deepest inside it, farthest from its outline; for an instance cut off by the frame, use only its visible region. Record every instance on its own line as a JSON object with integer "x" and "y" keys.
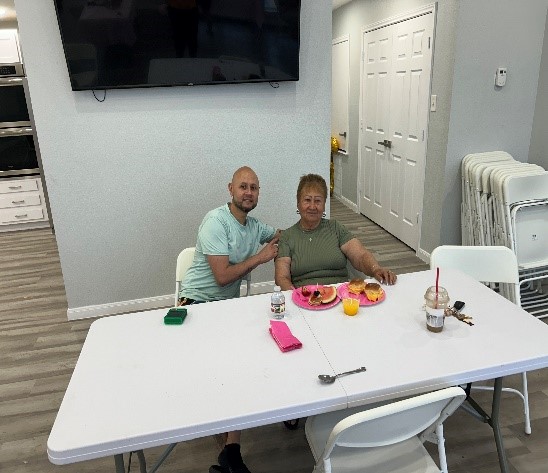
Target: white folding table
{"x": 221, "y": 370}
{"x": 404, "y": 359}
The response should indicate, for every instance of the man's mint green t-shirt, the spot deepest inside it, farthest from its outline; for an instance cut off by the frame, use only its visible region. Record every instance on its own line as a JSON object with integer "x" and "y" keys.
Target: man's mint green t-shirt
{"x": 221, "y": 234}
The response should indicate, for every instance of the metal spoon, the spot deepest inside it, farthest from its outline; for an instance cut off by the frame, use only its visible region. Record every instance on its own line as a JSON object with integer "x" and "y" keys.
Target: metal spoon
{"x": 328, "y": 379}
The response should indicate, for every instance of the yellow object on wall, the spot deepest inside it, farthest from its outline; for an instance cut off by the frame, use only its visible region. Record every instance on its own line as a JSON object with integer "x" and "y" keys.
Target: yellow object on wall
{"x": 334, "y": 144}
{"x": 334, "y": 149}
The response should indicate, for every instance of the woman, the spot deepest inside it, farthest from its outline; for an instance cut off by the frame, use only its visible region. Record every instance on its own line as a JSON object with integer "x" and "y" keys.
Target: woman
{"x": 316, "y": 250}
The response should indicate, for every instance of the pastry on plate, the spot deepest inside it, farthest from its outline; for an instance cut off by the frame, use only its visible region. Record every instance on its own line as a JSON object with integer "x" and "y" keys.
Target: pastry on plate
{"x": 315, "y": 298}
{"x": 356, "y": 286}
{"x": 373, "y": 291}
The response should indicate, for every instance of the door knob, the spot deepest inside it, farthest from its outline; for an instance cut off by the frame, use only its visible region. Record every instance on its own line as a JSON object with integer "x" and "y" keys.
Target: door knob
{"x": 343, "y": 134}
{"x": 385, "y": 143}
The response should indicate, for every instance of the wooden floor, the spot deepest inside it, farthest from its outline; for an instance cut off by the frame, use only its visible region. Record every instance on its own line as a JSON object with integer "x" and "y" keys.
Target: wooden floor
{"x": 39, "y": 348}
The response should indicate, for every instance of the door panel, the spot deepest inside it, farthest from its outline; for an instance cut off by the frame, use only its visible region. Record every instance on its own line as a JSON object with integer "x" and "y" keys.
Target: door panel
{"x": 395, "y": 100}
{"x": 375, "y": 125}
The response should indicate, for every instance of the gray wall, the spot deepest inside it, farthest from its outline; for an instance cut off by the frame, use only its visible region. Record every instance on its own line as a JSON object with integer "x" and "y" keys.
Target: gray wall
{"x": 538, "y": 152}
{"x": 491, "y": 33}
{"x": 130, "y": 179}
{"x": 349, "y": 19}
{"x": 473, "y": 37}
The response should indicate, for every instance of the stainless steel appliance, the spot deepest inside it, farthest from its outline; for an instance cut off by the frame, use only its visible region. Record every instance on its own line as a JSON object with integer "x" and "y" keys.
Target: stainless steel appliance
{"x": 14, "y": 110}
{"x": 18, "y": 152}
{"x": 17, "y": 138}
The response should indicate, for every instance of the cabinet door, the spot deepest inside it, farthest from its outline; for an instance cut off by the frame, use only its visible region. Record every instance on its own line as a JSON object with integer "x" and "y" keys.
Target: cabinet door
{"x": 9, "y": 49}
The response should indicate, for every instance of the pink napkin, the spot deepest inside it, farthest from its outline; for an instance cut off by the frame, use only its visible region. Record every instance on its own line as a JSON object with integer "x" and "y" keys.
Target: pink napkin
{"x": 283, "y": 337}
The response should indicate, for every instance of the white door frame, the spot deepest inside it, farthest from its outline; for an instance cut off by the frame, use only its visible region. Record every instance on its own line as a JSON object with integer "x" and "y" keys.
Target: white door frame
{"x": 342, "y": 39}
{"x": 430, "y": 8}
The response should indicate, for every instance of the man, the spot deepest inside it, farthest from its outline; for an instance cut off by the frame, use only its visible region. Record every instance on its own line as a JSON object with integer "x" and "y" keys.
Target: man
{"x": 226, "y": 250}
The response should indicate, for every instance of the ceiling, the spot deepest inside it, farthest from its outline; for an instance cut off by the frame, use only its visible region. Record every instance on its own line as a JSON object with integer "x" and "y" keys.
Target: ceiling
{"x": 7, "y": 10}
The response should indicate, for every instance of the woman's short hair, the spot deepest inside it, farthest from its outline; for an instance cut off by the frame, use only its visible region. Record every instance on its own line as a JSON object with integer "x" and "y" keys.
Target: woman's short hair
{"x": 314, "y": 181}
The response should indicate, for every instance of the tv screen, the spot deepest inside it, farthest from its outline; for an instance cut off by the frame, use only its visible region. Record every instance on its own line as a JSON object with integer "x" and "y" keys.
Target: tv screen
{"x": 149, "y": 43}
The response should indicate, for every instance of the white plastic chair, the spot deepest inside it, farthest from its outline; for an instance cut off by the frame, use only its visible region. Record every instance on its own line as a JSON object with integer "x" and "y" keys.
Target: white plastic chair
{"x": 496, "y": 264}
{"x": 184, "y": 260}
{"x": 385, "y": 439}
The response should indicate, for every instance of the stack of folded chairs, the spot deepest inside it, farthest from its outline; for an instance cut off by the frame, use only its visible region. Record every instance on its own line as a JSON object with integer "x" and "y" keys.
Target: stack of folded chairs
{"x": 505, "y": 202}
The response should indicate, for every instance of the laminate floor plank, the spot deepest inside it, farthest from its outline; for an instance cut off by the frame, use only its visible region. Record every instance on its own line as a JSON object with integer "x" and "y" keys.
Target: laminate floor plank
{"x": 39, "y": 348}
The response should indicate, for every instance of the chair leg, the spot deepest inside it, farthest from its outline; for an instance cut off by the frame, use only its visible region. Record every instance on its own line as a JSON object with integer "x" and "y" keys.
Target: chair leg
{"x": 526, "y": 404}
{"x": 441, "y": 448}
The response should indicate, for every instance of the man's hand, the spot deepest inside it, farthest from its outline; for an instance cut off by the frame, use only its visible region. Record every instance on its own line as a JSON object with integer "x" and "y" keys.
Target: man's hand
{"x": 269, "y": 251}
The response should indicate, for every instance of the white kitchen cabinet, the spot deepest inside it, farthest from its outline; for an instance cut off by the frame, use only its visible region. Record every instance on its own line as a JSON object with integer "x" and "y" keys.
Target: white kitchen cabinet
{"x": 22, "y": 204}
{"x": 9, "y": 46}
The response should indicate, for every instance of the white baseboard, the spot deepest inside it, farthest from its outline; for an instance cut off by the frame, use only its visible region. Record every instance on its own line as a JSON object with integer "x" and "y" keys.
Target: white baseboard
{"x": 122, "y": 307}
{"x": 423, "y": 255}
{"x": 148, "y": 303}
{"x": 351, "y": 205}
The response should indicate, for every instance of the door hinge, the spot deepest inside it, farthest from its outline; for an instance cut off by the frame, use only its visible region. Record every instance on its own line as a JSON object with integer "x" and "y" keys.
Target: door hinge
{"x": 429, "y": 38}
{"x": 418, "y": 214}
{"x": 422, "y": 135}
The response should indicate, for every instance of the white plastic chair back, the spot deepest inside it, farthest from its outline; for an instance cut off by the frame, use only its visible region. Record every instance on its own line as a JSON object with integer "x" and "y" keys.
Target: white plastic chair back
{"x": 487, "y": 264}
{"x": 483, "y": 263}
{"x": 384, "y": 426}
{"x": 184, "y": 260}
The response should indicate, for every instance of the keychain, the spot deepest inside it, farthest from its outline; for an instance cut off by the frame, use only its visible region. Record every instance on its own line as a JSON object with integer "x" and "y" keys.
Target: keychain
{"x": 455, "y": 311}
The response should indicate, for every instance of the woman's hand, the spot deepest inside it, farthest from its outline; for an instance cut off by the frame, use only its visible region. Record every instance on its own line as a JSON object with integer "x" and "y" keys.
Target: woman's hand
{"x": 364, "y": 261}
{"x": 384, "y": 275}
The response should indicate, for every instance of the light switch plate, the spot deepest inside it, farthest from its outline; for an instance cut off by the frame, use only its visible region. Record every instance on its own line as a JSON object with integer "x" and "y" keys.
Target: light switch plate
{"x": 500, "y": 76}
{"x": 433, "y": 103}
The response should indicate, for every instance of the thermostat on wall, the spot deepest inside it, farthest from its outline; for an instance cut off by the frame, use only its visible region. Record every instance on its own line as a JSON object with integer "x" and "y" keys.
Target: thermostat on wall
{"x": 500, "y": 76}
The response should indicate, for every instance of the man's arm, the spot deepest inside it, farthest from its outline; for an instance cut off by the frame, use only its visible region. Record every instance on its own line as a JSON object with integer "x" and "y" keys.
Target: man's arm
{"x": 282, "y": 275}
{"x": 364, "y": 261}
{"x": 226, "y": 273}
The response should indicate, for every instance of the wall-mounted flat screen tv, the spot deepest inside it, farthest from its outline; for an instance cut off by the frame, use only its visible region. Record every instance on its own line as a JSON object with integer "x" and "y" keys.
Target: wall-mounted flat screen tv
{"x": 112, "y": 44}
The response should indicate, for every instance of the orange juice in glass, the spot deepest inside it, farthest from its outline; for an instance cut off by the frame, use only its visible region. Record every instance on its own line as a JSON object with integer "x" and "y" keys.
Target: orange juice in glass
{"x": 350, "y": 305}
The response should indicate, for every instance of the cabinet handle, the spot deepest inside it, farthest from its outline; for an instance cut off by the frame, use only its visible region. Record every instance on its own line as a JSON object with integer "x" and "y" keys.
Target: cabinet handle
{"x": 21, "y": 215}
{"x": 14, "y": 187}
{"x": 18, "y": 201}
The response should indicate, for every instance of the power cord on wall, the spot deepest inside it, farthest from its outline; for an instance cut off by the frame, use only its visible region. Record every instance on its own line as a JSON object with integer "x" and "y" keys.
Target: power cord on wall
{"x": 104, "y": 96}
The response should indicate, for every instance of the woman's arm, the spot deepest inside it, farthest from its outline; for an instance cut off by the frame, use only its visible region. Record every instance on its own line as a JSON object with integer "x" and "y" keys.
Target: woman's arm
{"x": 282, "y": 272}
{"x": 364, "y": 261}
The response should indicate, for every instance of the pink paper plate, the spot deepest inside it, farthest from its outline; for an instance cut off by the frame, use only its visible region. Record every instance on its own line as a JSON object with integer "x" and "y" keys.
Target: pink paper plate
{"x": 302, "y": 301}
{"x": 342, "y": 291}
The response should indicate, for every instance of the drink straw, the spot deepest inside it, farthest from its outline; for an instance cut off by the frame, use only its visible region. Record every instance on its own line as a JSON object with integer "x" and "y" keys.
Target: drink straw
{"x": 437, "y": 281}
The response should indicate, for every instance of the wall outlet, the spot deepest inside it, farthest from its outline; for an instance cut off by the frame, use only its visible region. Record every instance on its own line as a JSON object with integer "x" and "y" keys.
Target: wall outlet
{"x": 500, "y": 76}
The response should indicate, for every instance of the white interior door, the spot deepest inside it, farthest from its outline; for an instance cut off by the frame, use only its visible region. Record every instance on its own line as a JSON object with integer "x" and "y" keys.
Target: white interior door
{"x": 340, "y": 63}
{"x": 374, "y": 124}
{"x": 396, "y": 72}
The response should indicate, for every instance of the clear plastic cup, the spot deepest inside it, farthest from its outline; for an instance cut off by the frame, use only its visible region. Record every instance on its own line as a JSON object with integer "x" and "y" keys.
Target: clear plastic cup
{"x": 435, "y": 305}
{"x": 350, "y": 305}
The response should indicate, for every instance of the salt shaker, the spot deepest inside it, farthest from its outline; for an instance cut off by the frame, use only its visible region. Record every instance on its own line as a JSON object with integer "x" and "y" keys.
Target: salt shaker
{"x": 436, "y": 302}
